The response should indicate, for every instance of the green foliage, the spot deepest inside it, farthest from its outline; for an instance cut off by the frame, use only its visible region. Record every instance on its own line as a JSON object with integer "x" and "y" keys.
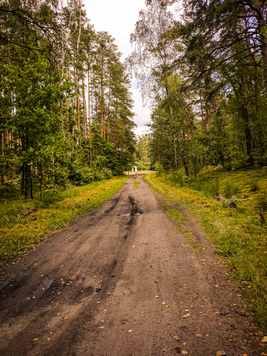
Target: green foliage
{"x": 230, "y": 188}
{"x": 178, "y": 177}
{"x": 254, "y": 185}
{"x": 239, "y": 234}
{"x": 58, "y": 125}
{"x": 142, "y": 153}
{"x": 209, "y": 96}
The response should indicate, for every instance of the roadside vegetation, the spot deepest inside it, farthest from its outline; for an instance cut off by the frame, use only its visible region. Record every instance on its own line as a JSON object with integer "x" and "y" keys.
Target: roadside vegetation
{"x": 236, "y": 224}
{"x": 65, "y": 103}
{"x": 25, "y": 223}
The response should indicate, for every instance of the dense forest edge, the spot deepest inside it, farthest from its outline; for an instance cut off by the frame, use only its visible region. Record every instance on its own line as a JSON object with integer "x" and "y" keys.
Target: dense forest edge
{"x": 65, "y": 103}
{"x": 66, "y": 123}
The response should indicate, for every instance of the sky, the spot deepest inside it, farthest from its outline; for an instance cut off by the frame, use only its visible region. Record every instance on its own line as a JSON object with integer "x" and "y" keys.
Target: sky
{"x": 118, "y": 18}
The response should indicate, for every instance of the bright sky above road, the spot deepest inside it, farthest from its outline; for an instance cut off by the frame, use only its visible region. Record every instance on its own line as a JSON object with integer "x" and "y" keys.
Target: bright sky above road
{"x": 118, "y": 18}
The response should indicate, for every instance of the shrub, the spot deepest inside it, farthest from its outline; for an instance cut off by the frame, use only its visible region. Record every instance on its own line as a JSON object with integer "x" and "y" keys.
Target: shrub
{"x": 230, "y": 188}
{"x": 81, "y": 175}
{"x": 178, "y": 177}
{"x": 159, "y": 169}
{"x": 254, "y": 185}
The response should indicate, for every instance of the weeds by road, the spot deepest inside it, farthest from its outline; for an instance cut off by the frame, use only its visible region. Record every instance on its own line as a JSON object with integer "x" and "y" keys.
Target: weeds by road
{"x": 239, "y": 234}
{"x": 23, "y": 224}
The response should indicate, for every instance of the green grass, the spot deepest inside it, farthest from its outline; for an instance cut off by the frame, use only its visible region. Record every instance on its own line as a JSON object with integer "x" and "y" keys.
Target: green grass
{"x": 136, "y": 185}
{"x": 239, "y": 234}
{"x": 23, "y": 224}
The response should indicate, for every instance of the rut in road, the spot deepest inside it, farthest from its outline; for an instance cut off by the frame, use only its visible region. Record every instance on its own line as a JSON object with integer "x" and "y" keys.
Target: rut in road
{"x": 122, "y": 281}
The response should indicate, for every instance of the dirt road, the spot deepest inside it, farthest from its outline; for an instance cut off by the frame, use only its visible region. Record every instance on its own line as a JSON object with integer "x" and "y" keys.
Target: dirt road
{"x": 122, "y": 281}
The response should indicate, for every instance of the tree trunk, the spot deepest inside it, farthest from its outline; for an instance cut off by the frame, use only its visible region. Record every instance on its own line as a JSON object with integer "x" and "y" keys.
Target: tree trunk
{"x": 84, "y": 114}
{"x": 102, "y": 123}
{"x": 3, "y": 155}
{"x": 262, "y": 27}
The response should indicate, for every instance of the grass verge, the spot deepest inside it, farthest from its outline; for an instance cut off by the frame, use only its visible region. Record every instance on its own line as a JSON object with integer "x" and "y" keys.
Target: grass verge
{"x": 23, "y": 224}
{"x": 136, "y": 185}
{"x": 238, "y": 233}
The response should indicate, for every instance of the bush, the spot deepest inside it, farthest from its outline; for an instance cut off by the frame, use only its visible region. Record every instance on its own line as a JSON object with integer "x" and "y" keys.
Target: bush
{"x": 230, "y": 188}
{"x": 178, "y": 177}
{"x": 254, "y": 185}
{"x": 159, "y": 169}
{"x": 118, "y": 171}
{"x": 209, "y": 188}
{"x": 80, "y": 175}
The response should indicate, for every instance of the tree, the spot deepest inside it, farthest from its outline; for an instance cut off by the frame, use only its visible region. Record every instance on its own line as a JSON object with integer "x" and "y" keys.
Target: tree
{"x": 152, "y": 55}
{"x": 66, "y": 119}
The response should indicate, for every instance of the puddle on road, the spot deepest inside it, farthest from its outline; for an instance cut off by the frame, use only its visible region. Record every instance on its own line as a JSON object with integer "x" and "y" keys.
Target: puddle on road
{"x": 130, "y": 214}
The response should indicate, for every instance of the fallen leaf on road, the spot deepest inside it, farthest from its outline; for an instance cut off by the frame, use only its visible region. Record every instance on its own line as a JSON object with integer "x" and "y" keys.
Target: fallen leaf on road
{"x": 35, "y": 339}
{"x": 220, "y": 353}
{"x": 130, "y": 331}
{"x": 184, "y": 352}
{"x": 264, "y": 339}
{"x": 164, "y": 350}
{"x": 186, "y": 315}
{"x": 163, "y": 303}
{"x": 101, "y": 327}
{"x": 176, "y": 337}
{"x": 48, "y": 339}
{"x": 198, "y": 335}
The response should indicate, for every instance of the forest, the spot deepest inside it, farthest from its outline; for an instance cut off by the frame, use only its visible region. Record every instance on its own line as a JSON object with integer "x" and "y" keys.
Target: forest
{"x": 66, "y": 107}
{"x": 204, "y": 75}
{"x": 65, "y": 103}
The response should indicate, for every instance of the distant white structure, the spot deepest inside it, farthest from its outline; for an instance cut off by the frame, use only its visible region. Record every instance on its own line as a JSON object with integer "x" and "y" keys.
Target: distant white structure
{"x": 134, "y": 169}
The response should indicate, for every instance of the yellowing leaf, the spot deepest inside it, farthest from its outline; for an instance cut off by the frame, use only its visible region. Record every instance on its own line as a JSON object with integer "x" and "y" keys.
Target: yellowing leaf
{"x": 186, "y": 315}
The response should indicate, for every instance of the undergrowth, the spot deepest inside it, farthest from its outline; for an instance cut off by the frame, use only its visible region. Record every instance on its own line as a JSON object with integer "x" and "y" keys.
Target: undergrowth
{"x": 238, "y": 233}
{"x": 24, "y": 223}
